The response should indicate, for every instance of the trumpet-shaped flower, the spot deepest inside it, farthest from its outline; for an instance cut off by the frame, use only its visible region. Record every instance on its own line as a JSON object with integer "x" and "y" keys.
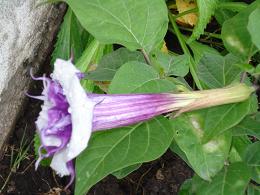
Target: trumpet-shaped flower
{"x": 69, "y": 114}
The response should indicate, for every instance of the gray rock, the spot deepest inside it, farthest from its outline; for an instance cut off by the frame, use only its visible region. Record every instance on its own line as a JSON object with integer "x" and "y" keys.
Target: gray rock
{"x": 26, "y": 36}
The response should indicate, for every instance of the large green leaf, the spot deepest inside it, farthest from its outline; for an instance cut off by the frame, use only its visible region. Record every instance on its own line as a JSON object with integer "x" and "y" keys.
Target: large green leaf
{"x": 113, "y": 150}
{"x": 217, "y": 71}
{"x": 252, "y": 158}
{"x": 111, "y": 62}
{"x": 206, "y": 159}
{"x": 248, "y": 126}
{"x": 221, "y": 118}
{"x": 206, "y": 10}
{"x": 233, "y": 179}
{"x": 70, "y": 38}
{"x": 156, "y": 86}
{"x": 137, "y": 77}
{"x": 254, "y": 26}
{"x": 236, "y": 36}
{"x": 133, "y": 23}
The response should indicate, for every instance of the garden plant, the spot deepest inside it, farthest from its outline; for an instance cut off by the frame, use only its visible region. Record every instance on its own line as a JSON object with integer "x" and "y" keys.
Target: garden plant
{"x": 122, "y": 92}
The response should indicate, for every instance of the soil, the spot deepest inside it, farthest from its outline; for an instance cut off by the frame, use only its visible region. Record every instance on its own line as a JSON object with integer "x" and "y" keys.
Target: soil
{"x": 162, "y": 176}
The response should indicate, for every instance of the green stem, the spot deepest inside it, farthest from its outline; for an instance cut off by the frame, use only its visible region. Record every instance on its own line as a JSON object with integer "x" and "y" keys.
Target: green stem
{"x": 217, "y": 36}
{"x": 194, "y": 10}
{"x": 234, "y": 6}
{"x": 146, "y": 57}
{"x": 186, "y": 51}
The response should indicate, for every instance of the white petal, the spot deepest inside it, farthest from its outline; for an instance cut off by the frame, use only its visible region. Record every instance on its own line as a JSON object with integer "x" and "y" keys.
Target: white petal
{"x": 81, "y": 112}
{"x": 58, "y": 163}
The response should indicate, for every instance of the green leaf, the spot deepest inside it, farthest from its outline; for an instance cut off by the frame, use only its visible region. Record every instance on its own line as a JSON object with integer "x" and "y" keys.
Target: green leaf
{"x": 236, "y": 36}
{"x": 88, "y": 55}
{"x": 69, "y": 39}
{"x": 217, "y": 71}
{"x": 222, "y": 15}
{"x": 109, "y": 151}
{"x": 143, "y": 79}
{"x": 257, "y": 70}
{"x": 120, "y": 174}
{"x": 248, "y": 126}
{"x": 199, "y": 50}
{"x": 176, "y": 149}
{"x": 246, "y": 67}
{"x": 111, "y": 62}
{"x": 254, "y": 26}
{"x": 253, "y": 189}
{"x": 206, "y": 10}
{"x": 206, "y": 159}
{"x": 171, "y": 65}
{"x": 186, "y": 187}
{"x": 156, "y": 86}
{"x": 233, "y": 179}
{"x": 252, "y": 158}
{"x": 133, "y": 23}
{"x": 221, "y": 118}
{"x": 239, "y": 144}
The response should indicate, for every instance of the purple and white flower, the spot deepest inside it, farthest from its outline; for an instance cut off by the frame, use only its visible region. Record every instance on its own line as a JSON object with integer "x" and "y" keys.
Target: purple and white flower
{"x": 69, "y": 115}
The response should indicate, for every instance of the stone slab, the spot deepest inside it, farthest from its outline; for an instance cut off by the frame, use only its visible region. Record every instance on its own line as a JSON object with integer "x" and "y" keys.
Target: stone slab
{"x": 26, "y": 36}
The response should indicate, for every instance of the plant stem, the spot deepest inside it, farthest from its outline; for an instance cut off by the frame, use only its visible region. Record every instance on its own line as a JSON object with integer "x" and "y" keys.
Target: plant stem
{"x": 214, "y": 35}
{"x": 146, "y": 57}
{"x": 234, "y": 6}
{"x": 194, "y": 10}
{"x": 186, "y": 51}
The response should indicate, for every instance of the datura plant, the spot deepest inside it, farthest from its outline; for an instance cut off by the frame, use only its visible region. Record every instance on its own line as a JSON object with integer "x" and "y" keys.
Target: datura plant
{"x": 148, "y": 77}
{"x": 69, "y": 114}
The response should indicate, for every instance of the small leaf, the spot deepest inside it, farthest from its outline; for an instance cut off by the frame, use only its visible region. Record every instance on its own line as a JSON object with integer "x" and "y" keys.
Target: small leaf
{"x": 217, "y": 71}
{"x": 133, "y": 23}
{"x": 246, "y": 67}
{"x": 206, "y": 159}
{"x": 233, "y": 179}
{"x": 253, "y": 189}
{"x": 69, "y": 39}
{"x": 109, "y": 151}
{"x": 120, "y": 174}
{"x": 222, "y": 15}
{"x": 186, "y": 187}
{"x": 236, "y": 36}
{"x": 257, "y": 70}
{"x": 88, "y": 55}
{"x": 254, "y": 26}
{"x": 199, "y": 50}
{"x": 248, "y": 126}
{"x": 206, "y": 10}
{"x": 252, "y": 158}
{"x": 172, "y": 65}
{"x": 111, "y": 62}
{"x": 239, "y": 144}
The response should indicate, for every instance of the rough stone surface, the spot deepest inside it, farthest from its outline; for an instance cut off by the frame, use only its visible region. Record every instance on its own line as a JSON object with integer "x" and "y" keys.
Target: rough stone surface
{"x": 26, "y": 37}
